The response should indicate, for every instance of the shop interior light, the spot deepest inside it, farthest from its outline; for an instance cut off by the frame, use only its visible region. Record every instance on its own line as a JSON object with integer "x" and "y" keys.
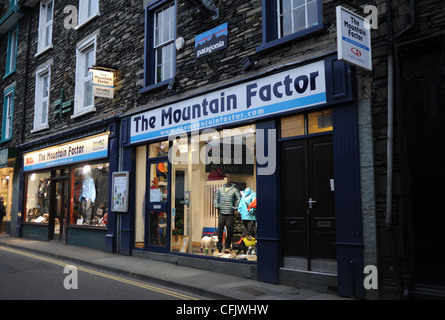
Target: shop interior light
{"x": 86, "y": 169}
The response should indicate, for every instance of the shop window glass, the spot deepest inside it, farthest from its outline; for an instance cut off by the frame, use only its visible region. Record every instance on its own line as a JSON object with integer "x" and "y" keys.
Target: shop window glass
{"x": 213, "y": 197}
{"x": 307, "y": 123}
{"x": 158, "y": 149}
{"x": 37, "y": 197}
{"x": 89, "y": 191}
{"x": 292, "y": 126}
{"x": 320, "y": 121}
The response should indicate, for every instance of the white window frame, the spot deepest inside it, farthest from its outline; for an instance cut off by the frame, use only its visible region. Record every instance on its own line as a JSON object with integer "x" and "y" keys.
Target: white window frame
{"x": 45, "y": 25}
{"x": 40, "y": 99}
{"x": 88, "y": 9}
{"x": 83, "y": 76}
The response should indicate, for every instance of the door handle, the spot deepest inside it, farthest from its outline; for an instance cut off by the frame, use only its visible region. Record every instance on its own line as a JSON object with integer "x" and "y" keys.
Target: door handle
{"x": 311, "y": 202}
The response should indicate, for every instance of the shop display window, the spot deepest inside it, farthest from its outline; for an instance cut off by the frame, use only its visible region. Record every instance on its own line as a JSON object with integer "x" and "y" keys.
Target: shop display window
{"x": 213, "y": 197}
{"x": 89, "y": 191}
{"x": 69, "y": 196}
{"x": 37, "y": 197}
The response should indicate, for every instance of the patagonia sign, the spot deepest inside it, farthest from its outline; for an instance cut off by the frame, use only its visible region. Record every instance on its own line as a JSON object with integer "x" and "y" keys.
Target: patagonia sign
{"x": 278, "y": 93}
{"x": 211, "y": 41}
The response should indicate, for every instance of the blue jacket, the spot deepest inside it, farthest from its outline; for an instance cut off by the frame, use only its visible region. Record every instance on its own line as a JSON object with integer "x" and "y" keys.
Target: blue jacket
{"x": 88, "y": 189}
{"x": 227, "y": 201}
{"x": 248, "y": 196}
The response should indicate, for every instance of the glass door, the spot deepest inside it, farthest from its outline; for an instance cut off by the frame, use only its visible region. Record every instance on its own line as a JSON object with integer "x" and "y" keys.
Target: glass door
{"x": 157, "y": 213}
{"x": 60, "y": 208}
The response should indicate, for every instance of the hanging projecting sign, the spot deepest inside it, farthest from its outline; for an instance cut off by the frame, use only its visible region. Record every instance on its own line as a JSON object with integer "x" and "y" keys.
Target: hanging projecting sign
{"x": 292, "y": 89}
{"x": 353, "y": 39}
{"x": 211, "y": 41}
{"x": 103, "y": 84}
{"x": 80, "y": 150}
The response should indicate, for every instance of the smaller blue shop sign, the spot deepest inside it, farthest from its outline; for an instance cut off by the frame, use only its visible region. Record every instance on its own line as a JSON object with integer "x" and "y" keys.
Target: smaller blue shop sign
{"x": 211, "y": 41}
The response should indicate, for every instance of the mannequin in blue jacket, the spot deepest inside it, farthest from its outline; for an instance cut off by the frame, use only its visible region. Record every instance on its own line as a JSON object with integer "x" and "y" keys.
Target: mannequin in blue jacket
{"x": 248, "y": 215}
{"x": 88, "y": 196}
{"x": 227, "y": 198}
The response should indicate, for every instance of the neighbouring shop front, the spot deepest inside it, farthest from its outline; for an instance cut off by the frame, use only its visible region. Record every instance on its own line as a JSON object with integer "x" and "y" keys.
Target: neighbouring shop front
{"x": 8, "y": 160}
{"x": 66, "y": 191}
{"x": 262, "y": 172}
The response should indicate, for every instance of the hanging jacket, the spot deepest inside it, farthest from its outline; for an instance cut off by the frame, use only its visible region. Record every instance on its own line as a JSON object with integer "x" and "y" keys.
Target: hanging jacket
{"x": 88, "y": 189}
{"x": 227, "y": 201}
{"x": 247, "y": 213}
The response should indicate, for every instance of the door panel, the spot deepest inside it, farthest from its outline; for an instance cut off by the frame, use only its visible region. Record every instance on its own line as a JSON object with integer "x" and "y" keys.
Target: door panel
{"x": 322, "y": 213}
{"x": 308, "y": 199}
{"x": 294, "y": 192}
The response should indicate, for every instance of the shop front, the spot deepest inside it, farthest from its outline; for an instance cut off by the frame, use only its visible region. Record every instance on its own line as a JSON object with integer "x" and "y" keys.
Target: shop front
{"x": 66, "y": 192}
{"x": 8, "y": 162}
{"x": 255, "y": 173}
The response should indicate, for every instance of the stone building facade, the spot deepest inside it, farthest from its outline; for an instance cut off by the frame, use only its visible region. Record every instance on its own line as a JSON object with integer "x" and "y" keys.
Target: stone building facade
{"x": 119, "y": 34}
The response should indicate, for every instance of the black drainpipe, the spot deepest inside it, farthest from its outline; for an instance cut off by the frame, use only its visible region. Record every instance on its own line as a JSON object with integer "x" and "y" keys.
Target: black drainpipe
{"x": 406, "y": 273}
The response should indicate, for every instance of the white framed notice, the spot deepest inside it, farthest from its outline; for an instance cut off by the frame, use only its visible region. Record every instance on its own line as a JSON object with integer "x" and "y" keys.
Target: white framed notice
{"x": 120, "y": 191}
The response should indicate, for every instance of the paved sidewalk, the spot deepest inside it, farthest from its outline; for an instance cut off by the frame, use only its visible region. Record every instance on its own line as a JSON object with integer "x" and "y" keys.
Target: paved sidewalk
{"x": 209, "y": 284}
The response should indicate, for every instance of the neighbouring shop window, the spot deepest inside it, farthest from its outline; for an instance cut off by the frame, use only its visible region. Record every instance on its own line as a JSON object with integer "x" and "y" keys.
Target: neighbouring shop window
{"x": 6, "y": 178}
{"x": 37, "y": 202}
{"x": 306, "y": 123}
{"x": 89, "y": 191}
{"x": 213, "y": 196}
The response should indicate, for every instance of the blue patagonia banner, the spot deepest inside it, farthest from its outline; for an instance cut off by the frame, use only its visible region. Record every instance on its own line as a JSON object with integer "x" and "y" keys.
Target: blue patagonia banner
{"x": 211, "y": 41}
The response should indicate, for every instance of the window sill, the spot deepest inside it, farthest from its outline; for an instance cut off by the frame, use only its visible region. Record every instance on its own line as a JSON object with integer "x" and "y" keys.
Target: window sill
{"x": 83, "y": 112}
{"x": 44, "y": 50}
{"x": 292, "y": 37}
{"x": 9, "y": 73}
{"x": 85, "y": 22}
{"x": 41, "y": 128}
{"x": 155, "y": 86}
{"x": 5, "y": 140}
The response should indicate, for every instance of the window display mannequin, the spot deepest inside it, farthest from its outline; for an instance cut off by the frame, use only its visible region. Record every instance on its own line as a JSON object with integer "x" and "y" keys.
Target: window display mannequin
{"x": 247, "y": 209}
{"x": 87, "y": 197}
{"x": 227, "y": 198}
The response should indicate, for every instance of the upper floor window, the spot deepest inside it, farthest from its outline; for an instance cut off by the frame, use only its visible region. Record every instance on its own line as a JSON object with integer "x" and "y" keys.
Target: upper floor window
{"x": 41, "y": 105}
{"x": 85, "y": 59}
{"x": 296, "y": 15}
{"x": 160, "y": 55}
{"x": 45, "y": 25}
{"x": 8, "y": 107}
{"x": 286, "y": 20}
{"x": 11, "y": 53}
{"x": 87, "y": 10}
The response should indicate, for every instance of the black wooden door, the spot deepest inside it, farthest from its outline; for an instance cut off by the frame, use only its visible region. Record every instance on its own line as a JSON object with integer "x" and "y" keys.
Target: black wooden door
{"x": 308, "y": 199}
